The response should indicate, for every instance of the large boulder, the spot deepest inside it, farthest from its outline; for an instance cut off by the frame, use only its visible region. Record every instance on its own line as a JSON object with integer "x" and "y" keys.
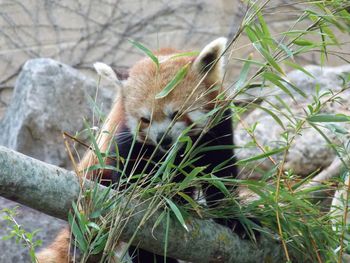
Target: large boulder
{"x": 49, "y": 98}
{"x": 309, "y": 151}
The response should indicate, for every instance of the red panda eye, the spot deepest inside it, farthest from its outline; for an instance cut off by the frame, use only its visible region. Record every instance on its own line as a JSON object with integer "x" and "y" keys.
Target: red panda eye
{"x": 173, "y": 115}
{"x": 145, "y": 120}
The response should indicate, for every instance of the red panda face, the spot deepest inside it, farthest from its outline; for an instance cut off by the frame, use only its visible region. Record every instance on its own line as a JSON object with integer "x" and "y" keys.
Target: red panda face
{"x": 162, "y": 120}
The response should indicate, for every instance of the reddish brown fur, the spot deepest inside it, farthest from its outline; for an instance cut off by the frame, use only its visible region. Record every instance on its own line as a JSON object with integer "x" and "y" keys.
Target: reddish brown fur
{"x": 57, "y": 252}
{"x": 109, "y": 128}
{"x": 166, "y": 51}
{"x": 144, "y": 84}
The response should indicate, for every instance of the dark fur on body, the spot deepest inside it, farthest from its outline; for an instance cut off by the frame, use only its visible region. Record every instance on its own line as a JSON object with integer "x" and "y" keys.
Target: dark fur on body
{"x": 219, "y": 135}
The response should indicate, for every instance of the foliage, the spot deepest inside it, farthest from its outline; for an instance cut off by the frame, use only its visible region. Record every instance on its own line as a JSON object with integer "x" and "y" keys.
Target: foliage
{"x": 16, "y": 231}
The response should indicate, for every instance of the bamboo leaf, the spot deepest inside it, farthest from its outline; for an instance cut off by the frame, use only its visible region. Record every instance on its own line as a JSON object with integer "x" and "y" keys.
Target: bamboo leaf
{"x": 189, "y": 178}
{"x": 303, "y": 42}
{"x": 298, "y": 67}
{"x": 260, "y": 156}
{"x": 147, "y": 51}
{"x": 329, "y": 118}
{"x": 185, "y": 54}
{"x": 94, "y": 143}
{"x": 256, "y": 40}
{"x": 79, "y": 237}
{"x": 94, "y": 225}
{"x": 273, "y": 78}
{"x": 190, "y": 200}
{"x": 99, "y": 243}
{"x": 177, "y": 213}
{"x": 180, "y": 75}
{"x": 273, "y": 115}
{"x": 166, "y": 235}
{"x": 269, "y": 58}
{"x": 244, "y": 73}
{"x": 219, "y": 184}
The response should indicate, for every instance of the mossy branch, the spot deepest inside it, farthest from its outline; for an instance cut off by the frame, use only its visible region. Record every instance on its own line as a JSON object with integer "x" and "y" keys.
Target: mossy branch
{"x": 51, "y": 190}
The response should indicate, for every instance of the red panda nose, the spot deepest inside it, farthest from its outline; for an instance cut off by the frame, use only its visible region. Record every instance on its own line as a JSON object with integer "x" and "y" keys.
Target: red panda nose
{"x": 166, "y": 142}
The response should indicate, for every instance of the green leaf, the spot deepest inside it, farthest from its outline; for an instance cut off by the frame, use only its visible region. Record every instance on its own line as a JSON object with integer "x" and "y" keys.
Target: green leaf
{"x": 94, "y": 143}
{"x": 159, "y": 220}
{"x": 166, "y": 235}
{"x": 177, "y": 213}
{"x": 180, "y": 75}
{"x": 274, "y": 79}
{"x": 185, "y": 54}
{"x": 260, "y": 156}
{"x": 251, "y": 34}
{"x": 186, "y": 139}
{"x": 278, "y": 81}
{"x": 244, "y": 73}
{"x": 94, "y": 225}
{"x": 273, "y": 115}
{"x": 258, "y": 43}
{"x": 337, "y": 129}
{"x": 264, "y": 26}
{"x": 190, "y": 200}
{"x": 288, "y": 51}
{"x": 79, "y": 237}
{"x": 269, "y": 58}
{"x": 219, "y": 184}
{"x": 189, "y": 177}
{"x": 147, "y": 51}
{"x": 298, "y": 67}
{"x": 329, "y": 118}
{"x": 303, "y": 42}
{"x": 99, "y": 243}
{"x": 103, "y": 167}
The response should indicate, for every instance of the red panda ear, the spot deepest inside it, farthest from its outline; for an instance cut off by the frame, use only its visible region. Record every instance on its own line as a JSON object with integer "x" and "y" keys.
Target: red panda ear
{"x": 122, "y": 73}
{"x": 110, "y": 74}
{"x": 210, "y": 60}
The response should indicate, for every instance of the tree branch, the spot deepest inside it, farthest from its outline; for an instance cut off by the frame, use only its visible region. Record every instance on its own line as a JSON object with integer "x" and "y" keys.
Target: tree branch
{"x": 51, "y": 190}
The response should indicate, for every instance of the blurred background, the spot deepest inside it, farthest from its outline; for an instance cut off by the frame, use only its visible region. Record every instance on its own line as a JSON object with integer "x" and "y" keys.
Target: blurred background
{"x": 82, "y": 32}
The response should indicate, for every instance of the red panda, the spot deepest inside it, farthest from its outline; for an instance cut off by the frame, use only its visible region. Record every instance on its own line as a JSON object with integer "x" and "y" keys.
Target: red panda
{"x": 156, "y": 123}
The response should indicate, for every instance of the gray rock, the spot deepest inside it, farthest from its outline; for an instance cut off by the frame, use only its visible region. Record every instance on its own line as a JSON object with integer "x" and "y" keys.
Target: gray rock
{"x": 49, "y": 98}
{"x": 309, "y": 151}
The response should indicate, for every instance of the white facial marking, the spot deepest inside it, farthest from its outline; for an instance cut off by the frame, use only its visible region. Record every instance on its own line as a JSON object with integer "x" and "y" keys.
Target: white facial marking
{"x": 132, "y": 123}
{"x": 146, "y": 113}
{"x": 169, "y": 109}
{"x": 198, "y": 117}
{"x": 177, "y": 129}
{"x": 157, "y": 128}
